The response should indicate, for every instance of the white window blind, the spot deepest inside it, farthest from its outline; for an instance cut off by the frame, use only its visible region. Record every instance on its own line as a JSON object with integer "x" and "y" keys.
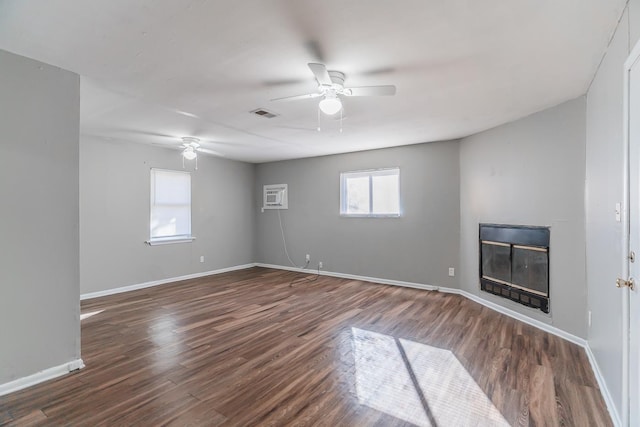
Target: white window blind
{"x": 370, "y": 193}
{"x": 170, "y": 207}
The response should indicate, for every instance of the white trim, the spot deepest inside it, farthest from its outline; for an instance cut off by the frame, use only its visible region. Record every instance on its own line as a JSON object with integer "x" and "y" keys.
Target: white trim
{"x": 523, "y": 318}
{"x": 161, "y": 282}
{"x": 75, "y": 365}
{"x": 38, "y": 377}
{"x": 495, "y": 307}
{"x": 606, "y": 395}
{"x": 491, "y": 305}
{"x": 348, "y": 215}
{"x": 351, "y": 276}
{"x": 169, "y": 240}
{"x": 626, "y": 329}
{"x": 608, "y": 400}
{"x": 164, "y": 240}
{"x": 625, "y": 208}
{"x": 370, "y": 174}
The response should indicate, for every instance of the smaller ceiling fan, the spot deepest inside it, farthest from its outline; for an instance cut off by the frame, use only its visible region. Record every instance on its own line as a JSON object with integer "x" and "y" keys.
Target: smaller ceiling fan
{"x": 331, "y": 88}
{"x": 191, "y": 146}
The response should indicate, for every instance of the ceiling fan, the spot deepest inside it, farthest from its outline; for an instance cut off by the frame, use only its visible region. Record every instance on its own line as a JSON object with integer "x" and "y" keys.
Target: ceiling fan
{"x": 331, "y": 89}
{"x": 191, "y": 146}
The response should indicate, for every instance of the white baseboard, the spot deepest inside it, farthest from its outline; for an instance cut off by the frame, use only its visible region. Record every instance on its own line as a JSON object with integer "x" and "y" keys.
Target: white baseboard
{"x": 606, "y": 395}
{"x": 161, "y": 282}
{"x": 496, "y": 307}
{"x": 524, "y": 318}
{"x": 493, "y": 306}
{"x": 76, "y": 364}
{"x": 613, "y": 412}
{"x": 38, "y": 377}
{"x": 351, "y": 276}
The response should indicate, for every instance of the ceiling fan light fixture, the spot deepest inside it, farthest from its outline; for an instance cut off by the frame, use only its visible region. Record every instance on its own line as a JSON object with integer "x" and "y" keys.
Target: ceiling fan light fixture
{"x": 189, "y": 153}
{"x": 330, "y": 105}
{"x": 192, "y": 141}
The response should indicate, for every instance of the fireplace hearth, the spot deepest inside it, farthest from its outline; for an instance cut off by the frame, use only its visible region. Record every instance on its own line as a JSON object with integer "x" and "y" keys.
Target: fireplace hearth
{"x": 514, "y": 263}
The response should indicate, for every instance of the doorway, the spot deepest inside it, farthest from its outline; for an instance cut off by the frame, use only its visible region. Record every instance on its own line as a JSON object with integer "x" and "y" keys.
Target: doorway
{"x": 631, "y": 251}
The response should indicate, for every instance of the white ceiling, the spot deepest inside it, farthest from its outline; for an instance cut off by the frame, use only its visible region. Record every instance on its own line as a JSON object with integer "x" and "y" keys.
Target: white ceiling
{"x": 156, "y": 70}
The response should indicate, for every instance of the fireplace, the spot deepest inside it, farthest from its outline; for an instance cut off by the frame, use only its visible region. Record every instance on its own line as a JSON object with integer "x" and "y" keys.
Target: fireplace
{"x": 514, "y": 263}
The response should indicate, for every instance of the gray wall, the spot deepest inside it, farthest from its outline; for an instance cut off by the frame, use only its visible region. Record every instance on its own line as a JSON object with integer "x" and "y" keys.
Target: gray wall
{"x": 417, "y": 247}
{"x": 531, "y": 172}
{"x": 39, "y": 279}
{"x": 114, "y": 215}
{"x": 604, "y": 161}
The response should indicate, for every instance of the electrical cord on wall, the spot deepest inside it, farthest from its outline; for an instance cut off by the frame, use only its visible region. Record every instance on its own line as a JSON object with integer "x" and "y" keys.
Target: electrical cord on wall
{"x": 284, "y": 243}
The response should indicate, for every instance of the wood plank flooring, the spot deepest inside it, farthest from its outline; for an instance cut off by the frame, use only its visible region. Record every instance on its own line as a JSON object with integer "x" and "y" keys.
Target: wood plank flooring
{"x": 269, "y": 347}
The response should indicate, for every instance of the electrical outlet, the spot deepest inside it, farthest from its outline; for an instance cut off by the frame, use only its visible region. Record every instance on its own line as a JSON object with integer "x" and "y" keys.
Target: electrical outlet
{"x": 452, "y": 271}
{"x": 308, "y": 258}
{"x": 320, "y": 265}
{"x": 201, "y": 258}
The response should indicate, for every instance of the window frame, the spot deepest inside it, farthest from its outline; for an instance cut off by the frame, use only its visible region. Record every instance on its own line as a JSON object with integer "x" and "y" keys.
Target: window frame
{"x": 370, "y": 173}
{"x": 177, "y": 238}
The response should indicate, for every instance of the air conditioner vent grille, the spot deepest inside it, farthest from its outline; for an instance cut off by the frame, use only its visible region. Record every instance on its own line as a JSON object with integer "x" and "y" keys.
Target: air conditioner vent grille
{"x": 263, "y": 113}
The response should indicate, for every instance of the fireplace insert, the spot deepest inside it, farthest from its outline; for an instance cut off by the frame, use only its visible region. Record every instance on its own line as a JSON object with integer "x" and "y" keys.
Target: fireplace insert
{"x": 514, "y": 263}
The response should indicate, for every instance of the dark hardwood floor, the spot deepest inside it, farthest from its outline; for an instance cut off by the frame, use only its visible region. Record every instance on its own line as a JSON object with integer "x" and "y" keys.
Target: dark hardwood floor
{"x": 268, "y": 347}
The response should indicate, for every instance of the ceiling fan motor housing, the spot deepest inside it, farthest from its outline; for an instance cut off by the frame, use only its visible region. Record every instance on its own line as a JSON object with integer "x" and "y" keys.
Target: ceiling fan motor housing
{"x": 190, "y": 141}
{"x": 337, "y": 78}
{"x": 337, "y": 85}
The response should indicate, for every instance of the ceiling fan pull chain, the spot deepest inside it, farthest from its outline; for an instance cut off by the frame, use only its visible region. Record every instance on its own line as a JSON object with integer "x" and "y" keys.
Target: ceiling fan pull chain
{"x": 196, "y": 162}
{"x": 318, "y": 118}
{"x": 182, "y": 162}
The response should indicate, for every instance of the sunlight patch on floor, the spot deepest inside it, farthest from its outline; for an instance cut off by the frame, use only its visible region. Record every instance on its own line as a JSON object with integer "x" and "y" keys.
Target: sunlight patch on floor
{"x": 87, "y": 315}
{"x": 418, "y": 383}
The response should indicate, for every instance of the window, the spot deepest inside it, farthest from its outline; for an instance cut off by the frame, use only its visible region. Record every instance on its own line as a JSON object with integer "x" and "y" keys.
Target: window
{"x": 370, "y": 193}
{"x": 170, "y": 207}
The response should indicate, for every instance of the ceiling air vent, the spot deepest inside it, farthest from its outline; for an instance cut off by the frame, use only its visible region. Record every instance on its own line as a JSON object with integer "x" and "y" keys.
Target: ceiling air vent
{"x": 263, "y": 113}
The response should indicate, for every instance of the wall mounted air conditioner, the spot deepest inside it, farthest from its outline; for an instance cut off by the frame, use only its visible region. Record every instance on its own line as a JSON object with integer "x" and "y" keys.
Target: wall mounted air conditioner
{"x": 275, "y": 196}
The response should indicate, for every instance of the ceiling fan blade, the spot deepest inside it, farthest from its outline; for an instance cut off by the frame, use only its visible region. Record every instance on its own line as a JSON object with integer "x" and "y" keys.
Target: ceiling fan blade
{"x": 321, "y": 73}
{"x": 212, "y": 152}
{"x": 296, "y": 97}
{"x": 169, "y": 146}
{"x": 371, "y": 91}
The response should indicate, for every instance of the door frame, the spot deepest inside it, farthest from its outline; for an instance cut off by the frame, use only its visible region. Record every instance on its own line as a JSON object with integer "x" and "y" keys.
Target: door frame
{"x": 632, "y": 59}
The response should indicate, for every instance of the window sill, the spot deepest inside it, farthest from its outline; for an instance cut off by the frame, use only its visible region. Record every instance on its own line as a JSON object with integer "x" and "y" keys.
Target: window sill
{"x": 343, "y": 215}
{"x": 170, "y": 240}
